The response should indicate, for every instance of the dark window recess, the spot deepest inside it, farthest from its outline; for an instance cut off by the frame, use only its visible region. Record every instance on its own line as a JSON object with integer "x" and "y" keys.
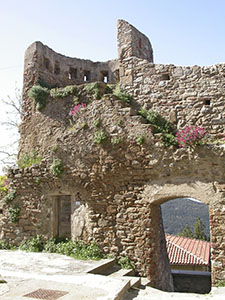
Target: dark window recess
{"x": 72, "y": 73}
{"x": 47, "y": 63}
{"x": 207, "y": 102}
{"x": 165, "y": 76}
{"x": 87, "y": 76}
{"x": 104, "y": 76}
{"x": 140, "y": 43}
{"x": 1, "y": 211}
{"x": 57, "y": 68}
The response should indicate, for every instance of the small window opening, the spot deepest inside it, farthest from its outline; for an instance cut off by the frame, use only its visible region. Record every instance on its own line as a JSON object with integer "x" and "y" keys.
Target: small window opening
{"x": 86, "y": 76}
{"x": 165, "y": 76}
{"x": 57, "y": 68}
{"x": 72, "y": 73}
{"x": 46, "y": 63}
{"x": 104, "y": 76}
{"x": 140, "y": 43}
{"x": 1, "y": 211}
{"x": 207, "y": 102}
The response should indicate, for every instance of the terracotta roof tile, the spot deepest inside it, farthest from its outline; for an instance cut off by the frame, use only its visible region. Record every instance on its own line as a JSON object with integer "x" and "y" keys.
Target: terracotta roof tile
{"x": 186, "y": 251}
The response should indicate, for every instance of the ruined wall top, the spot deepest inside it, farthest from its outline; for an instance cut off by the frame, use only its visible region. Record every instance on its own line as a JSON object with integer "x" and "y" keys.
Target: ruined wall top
{"x": 131, "y": 42}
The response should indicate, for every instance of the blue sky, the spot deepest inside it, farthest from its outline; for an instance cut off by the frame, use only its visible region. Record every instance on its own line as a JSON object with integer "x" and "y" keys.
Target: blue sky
{"x": 182, "y": 32}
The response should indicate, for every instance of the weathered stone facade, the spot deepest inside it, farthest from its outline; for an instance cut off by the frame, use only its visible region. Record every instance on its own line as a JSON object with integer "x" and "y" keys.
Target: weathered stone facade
{"x": 115, "y": 188}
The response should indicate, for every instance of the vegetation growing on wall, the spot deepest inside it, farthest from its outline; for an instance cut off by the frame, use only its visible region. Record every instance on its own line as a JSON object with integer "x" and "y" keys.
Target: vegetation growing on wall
{"x": 29, "y": 159}
{"x": 122, "y": 95}
{"x": 100, "y": 137}
{"x": 63, "y": 92}
{"x": 57, "y": 167}
{"x": 39, "y": 94}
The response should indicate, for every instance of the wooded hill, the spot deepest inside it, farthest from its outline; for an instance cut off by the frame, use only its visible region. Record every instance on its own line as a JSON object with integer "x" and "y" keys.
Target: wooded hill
{"x": 179, "y": 212}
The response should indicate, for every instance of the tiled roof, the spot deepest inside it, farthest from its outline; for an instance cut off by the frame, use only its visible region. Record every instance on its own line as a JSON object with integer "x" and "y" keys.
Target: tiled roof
{"x": 186, "y": 251}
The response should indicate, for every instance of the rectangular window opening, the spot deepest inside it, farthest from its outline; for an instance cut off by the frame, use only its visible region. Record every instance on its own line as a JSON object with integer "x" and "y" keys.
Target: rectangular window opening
{"x": 57, "y": 68}
{"x": 207, "y": 102}
{"x": 165, "y": 76}
{"x": 86, "y": 76}
{"x": 104, "y": 76}
{"x": 46, "y": 63}
{"x": 72, "y": 73}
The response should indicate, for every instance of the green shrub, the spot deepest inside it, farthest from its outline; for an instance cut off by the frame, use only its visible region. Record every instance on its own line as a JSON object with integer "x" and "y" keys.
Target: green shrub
{"x": 161, "y": 125}
{"x": 220, "y": 283}
{"x": 140, "y": 139}
{"x": 63, "y": 92}
{"x": 115, "y": 140}
{"x": 39, "y": 94}
{"x": 100, "y": 137}
{"x": 169, "y": 140}
{"x": 10, "y": 196}
{"x": 13, "y": 214}
{"x": 27, "y": 160}
{"x": 122, "y": 95}
{"x": 4, "y": 245}
{"x": 97, "y": 122}
{"x": 32, "y": 245}
{"x": 125, "y": 263}
{"x": 3, "y": 183}
{"x": 97, "y": 89}
{"x": 57, "y": 167}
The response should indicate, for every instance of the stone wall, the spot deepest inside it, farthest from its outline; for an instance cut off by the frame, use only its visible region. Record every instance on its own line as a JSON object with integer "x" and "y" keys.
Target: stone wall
{"x": 116, "y": 186}
{"x": 184, "y": 95}
{"x": 131, "y": 42}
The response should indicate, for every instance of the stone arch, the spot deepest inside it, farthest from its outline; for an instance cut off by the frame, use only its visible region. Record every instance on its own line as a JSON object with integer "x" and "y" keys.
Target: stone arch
{"x": 156, "y": 193}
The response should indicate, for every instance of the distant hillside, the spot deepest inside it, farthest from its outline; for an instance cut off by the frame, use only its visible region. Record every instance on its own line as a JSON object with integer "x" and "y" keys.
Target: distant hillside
{"x": 179, "y": 212}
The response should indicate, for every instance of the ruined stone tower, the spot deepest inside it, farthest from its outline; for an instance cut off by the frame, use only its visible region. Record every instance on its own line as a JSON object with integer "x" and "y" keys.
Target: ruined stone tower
{"x": 113, "y": 171}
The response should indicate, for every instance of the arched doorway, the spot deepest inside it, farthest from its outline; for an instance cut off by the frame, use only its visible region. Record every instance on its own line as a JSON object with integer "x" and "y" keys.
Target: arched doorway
{"x": 186, "y": 227}
{"x": 207, "y": 192}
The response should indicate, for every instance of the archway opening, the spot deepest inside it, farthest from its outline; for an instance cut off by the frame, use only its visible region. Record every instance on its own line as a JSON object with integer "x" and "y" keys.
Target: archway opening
{"x": 187, "y": 234}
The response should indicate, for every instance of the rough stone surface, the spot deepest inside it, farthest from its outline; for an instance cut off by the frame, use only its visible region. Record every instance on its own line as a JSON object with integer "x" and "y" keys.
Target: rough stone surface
{"x": 116, "y": 188}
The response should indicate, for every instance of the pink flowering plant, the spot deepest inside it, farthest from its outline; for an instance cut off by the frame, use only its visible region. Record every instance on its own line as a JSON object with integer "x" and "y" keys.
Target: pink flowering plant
{"x": 76, "y": 109}
{"x": 190, "y": 135}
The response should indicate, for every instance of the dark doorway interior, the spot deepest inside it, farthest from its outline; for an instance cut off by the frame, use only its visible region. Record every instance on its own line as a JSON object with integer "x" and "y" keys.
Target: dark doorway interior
{"x": 64, "y": 216}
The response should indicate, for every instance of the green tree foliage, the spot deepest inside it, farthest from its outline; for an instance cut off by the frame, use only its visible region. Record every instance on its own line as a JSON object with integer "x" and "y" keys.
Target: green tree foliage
{"x": 198, "y": 233}
{"x": 199, "y": 227}
{"x": 186, "y": 232}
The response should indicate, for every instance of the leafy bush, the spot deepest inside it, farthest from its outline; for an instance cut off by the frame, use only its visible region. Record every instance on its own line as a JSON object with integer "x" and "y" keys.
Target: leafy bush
{"x": 140, "y": 139}
{"x": 169, "y": 140}
{"x": 115, "y": 140}
{"x": 76, "y": 249}
{"x": 57, "y": 167}
{"x": 122, "y": 95}
{"x": 32, "y": 245}
{"x": 10, "y": 196}
{"x": 39, "y": 94}
{"x": 125, "y": 263}
{"x": 161, "y": 125}
{"x": 4, "y": 183}
{"x": 100, "y": 137}
{"x": 63, "y": 92}
{"x": 13, "y": 214}
{"x": 27, "y": 160}
{"x": 220, "y": 283}
{"x": 190, "y": 136}
{"x": 4, "y": 245}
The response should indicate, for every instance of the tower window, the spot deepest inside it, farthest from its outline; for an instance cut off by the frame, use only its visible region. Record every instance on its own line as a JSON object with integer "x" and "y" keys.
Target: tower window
{"x": 72, "y": 73}
{"x": 207, "y": 102}
{"x": 86, "y": 76}
{"x": 57, "y": 68}
{"x": 46, "y": 63}
{"x": 165, "y": 76}
{"x": 104, "y": 76}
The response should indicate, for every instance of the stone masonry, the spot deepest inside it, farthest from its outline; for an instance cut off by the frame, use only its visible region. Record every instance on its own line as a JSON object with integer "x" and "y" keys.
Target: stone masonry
{"x": 111, "y": 192}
